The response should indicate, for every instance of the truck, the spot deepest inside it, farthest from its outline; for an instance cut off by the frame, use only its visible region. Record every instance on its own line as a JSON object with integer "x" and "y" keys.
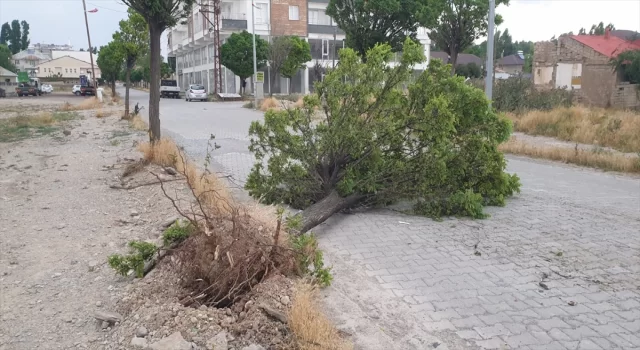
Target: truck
{"x": 30, "y": 88}
{"x": 86, "y": 87}
{"x": 169, "y": 88}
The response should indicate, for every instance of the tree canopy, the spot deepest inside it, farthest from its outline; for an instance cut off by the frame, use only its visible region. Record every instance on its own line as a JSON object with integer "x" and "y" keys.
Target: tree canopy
{"x": 369, "y": 22}
{"x": 299, "y": 54}
{"x": 460, "y": 24}
{"x": 237, "y": 54}
{"x": 24, "y": 37}
{"x": 363, "y": 138}
{"x": 110, "y": 62}
{"x": 628, "y": 63}
{"x": 5, "y": 58}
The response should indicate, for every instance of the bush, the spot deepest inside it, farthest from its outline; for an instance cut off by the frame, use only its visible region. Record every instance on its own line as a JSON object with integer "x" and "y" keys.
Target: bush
{"x": 518, "y": 94}
{"x": 140, "y": 252}
{"x": 177, "y": 233}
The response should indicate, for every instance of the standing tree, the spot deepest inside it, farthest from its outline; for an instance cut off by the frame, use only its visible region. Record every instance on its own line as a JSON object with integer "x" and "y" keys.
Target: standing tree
{"x": 299, "y": 55}
{"x": 237, "y": 54}
{"x": 110, "y": 63}
{"x": 5, "y": 34}
{"x": 460, "y": 24}
{"x": 369, "y": 22}
{"x": 5, "y": 58}
{"x": 133, "y": 40}
{"x": 383, "y": 137}
{"x": 278, "y": 50}
{"x": 160, "y": 15}
{"x": 15, "y": 39}
{"x": 24, "y": 39}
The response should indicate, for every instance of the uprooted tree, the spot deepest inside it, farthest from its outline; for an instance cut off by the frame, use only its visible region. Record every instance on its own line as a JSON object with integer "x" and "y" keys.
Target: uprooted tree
{"x": 370, "y": 136}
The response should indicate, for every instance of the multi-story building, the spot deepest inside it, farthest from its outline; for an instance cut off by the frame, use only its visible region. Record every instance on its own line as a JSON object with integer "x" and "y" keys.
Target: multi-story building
{"x": 192, "y": 45}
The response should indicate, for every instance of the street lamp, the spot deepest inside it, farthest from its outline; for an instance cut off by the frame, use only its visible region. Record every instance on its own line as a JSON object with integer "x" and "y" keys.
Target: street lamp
{"x": 255, "y": 63}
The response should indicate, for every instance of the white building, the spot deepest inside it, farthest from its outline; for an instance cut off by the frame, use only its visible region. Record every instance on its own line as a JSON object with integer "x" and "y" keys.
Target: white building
{"x": 192, "y": 43}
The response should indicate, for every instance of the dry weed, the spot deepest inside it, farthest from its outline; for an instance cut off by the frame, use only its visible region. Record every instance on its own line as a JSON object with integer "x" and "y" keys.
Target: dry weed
{"x": 299, "y": 103}
{"x": 311, "y": 328}
{"x": 138, "y": 124}
{"x": 269, "y": 103}
{"x": 207, "y": 187}
{"x": 596, "y": 159}
{"x": 89, "y": 103}
{"x": 102, "y": 114}
{"x": 609, "y": 128}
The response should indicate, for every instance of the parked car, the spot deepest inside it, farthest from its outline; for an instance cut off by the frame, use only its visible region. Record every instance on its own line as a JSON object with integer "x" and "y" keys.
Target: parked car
{"x": 26, "y": 89}
{"x": 76, "y": 90}
{"x": 196, "y": 92}
{"x": 47, "y": 88}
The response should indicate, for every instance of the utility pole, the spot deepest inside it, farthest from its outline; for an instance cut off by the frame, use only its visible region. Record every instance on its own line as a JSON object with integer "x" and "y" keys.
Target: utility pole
{"x": 215, "y": 28}
{"x": 335, "y": 32}
{"x": 255, "y": 63}
{"x": 86, "y": 22}
{"x": 488, "y": 84}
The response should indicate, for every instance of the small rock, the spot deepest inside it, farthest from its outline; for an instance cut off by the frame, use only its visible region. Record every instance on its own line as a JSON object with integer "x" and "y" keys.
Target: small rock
{"x": 253, "y": 347}
{"x": 219, "y": 342}
{"x": 285, "y": 300}
{"x": 139, "y": 342}
{"x": 134, "y": 213}
{"x": 572, "y": 303}
{"x": 93, "y": 264}
{"x": 98, "y": 303}
{"x": 170, "y": 171}
{"x": 248, "y": 305}
{"x": 110, "y": 317}
{"x": 194, "y": 320}
{"x": 173, "y": 342}
{"x": 104, "y": 325}
{"x": 142, "y": 332}
{"x": 56, "y": 275}
{"x": 60, "y": 226}
{"x": 66, "y": 132}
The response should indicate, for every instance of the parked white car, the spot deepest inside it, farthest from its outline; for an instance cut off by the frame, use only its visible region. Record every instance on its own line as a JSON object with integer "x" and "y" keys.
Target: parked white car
{"x": 76, "y": 90}
{"x": 47, "y": 88}
{"x": 196, "y": 92}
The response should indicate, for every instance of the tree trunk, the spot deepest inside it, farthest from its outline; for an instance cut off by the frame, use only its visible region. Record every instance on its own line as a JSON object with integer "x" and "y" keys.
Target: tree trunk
{"x": 454, "y": 61}
{"x": 154, "y": 87}
{"x": 113, "y": 88}
{"x": 322, "y": 210}
{"x": 126, "y": 92}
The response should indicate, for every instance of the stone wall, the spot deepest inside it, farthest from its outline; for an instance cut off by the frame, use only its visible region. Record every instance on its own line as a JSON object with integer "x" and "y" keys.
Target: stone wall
{"x": 598, "y": 83}
{"x": 625, "y": 96}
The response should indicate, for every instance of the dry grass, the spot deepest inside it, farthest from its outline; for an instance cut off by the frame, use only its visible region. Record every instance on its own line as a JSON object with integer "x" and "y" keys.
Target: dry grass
{"x": 138, "y": 124}
{"x": 596, "y": 158}
{"x": 299, "y": 103}
{"x": 616, "y": 129}
{"x": 89, "y": 103}
{"x": 102, "y": 114}
{"x": 311, "y": 328}
{"x": 25, "y": 126}
{"x": 211, "y": 191}
{"x": 269, "y": 103}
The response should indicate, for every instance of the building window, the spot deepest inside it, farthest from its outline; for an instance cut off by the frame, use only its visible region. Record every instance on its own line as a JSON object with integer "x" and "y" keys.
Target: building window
{"x": 294, "y": 13}
{"x": 319, "y": 17}
{"x": 262, "y": 13}
{"x": 17, "y": 62}
{"x": 66, "y": 70}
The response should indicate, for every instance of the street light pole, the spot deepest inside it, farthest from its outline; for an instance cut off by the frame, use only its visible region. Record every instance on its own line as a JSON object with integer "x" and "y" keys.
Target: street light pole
{"x": 255, "y": 63}
{"x": 86, "y": 22}
{"x": 488, "y": 84}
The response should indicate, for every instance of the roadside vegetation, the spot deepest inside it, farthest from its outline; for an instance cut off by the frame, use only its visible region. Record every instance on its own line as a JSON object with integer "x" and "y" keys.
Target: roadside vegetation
{"x": 619, "y": 130}
{"x": 25, "y": 126}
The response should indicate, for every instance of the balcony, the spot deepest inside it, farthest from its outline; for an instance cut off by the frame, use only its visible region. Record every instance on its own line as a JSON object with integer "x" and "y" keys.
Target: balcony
{"x": 234, "y": 21}
{"x": 324, "y": 29}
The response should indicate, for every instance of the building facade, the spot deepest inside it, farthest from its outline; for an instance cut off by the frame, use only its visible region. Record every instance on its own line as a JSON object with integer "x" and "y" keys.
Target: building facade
{"x": 582, "y": 63}
{"x": 192, "y": 45}
{"x": 66, "y": 67}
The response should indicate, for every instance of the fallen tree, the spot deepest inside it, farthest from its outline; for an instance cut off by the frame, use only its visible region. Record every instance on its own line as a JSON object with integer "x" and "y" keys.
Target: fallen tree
{"x": 372, "y": 134}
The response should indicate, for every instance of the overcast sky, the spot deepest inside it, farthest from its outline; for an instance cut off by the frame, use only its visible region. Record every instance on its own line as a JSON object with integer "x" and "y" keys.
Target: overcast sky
{"x": 62, "y": 21}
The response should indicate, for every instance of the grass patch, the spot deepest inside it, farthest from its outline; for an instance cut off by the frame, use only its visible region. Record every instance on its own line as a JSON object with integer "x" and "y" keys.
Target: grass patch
{"x": 138, "y": 124}
{"x": 310, "y": 327}
{"x": 596, "y": 158}
{"x": 102, "y": 114}
{"x": 23, "y": 127}
{"x": 596, "y": 126}
{"x": 86, "y": 104}
{"x": 177, "y": 233}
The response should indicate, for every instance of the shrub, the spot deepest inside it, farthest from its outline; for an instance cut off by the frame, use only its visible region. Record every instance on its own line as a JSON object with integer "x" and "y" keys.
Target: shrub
{"x": 177, "y": 233}
{"x": 140, "y": 252}
{"x": 518, "y": 94}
